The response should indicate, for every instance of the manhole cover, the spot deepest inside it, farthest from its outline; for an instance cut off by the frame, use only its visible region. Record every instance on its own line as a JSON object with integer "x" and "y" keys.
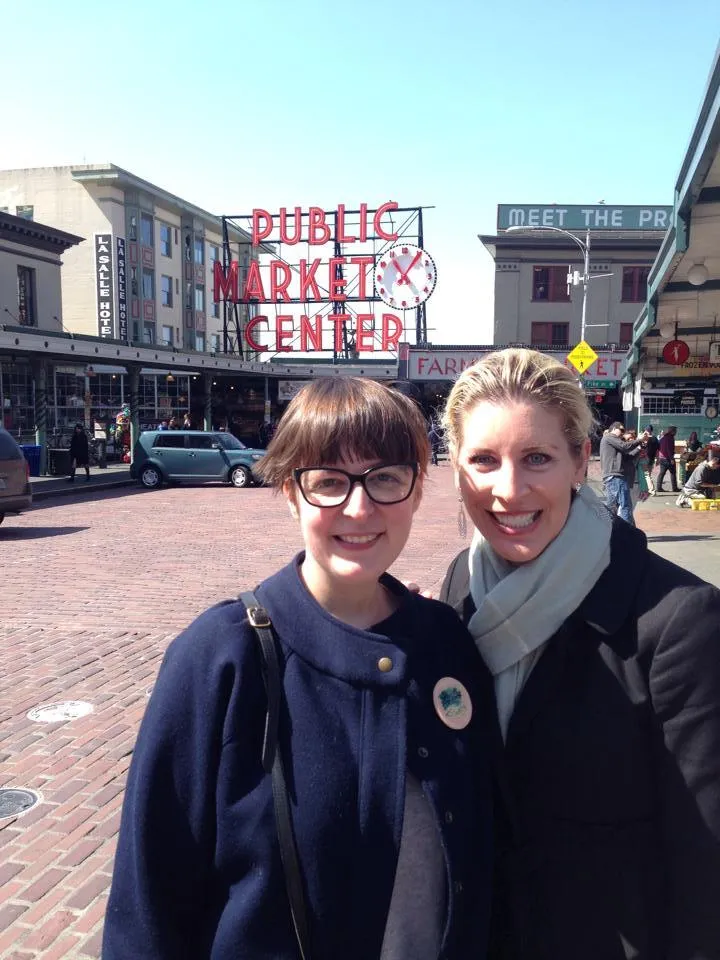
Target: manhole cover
{"x": 60, "y": 712}
{"x": 16, "y": 801}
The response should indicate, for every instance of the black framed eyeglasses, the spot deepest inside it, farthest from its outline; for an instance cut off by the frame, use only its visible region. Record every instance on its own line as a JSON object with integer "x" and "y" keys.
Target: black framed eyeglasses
{"x": 331, "y": 487}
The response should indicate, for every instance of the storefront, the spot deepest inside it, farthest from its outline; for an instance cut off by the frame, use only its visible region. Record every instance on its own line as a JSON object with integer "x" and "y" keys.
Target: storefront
{"x": 433, "y": 371}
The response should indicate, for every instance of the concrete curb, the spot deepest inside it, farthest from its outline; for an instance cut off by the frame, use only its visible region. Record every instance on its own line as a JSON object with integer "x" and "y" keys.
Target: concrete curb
{"x": 43, "y": 491}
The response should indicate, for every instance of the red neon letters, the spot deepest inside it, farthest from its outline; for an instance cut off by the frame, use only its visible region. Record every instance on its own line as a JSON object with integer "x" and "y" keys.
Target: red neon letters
{"x": 321, "y": 226}
{"x": 334, "y": 280}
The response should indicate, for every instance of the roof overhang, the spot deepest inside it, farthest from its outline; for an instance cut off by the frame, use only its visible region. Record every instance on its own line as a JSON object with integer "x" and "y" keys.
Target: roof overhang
{"x": 80, "y": 349}
{"x": 36, "y": 235}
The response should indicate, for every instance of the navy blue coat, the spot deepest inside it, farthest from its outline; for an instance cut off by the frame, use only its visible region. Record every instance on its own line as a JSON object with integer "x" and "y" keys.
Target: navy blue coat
{"x": 198, "y": 872}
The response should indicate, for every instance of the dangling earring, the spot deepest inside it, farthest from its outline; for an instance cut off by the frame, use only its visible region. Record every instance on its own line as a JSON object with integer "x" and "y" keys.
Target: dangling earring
{"x": 461, "y": 519}
{"x": 577, "y": 487}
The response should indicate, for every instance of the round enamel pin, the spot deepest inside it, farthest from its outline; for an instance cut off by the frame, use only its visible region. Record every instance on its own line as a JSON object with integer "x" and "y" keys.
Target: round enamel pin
{"x": 452, "y": 703}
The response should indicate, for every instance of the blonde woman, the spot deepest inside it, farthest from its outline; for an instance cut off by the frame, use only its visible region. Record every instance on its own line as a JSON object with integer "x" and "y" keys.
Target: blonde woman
{"x": 606, "y": 666}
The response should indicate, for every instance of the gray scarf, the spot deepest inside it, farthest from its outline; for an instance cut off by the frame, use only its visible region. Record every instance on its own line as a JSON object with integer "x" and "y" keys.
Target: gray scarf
{"x": 519, "y": 607}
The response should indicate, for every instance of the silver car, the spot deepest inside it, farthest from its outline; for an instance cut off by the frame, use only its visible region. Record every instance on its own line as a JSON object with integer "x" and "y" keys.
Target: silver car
{"x": 15, "y": 493}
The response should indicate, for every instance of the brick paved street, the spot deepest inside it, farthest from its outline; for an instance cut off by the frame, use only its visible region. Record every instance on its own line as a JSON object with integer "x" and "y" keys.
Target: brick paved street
{"x": 93, "y": 590}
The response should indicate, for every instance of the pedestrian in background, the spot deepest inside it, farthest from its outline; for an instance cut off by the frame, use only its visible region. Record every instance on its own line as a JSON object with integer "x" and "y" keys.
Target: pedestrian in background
{"x": 693, "y": 444}
{"x": 614, "y": 465}
{"x": 651, "y": 449}
{"x": 187, "y": 422}
{"x": 666, "y": 459}
{"x": 79, "y": 452}
{"x": 434, "y": 438}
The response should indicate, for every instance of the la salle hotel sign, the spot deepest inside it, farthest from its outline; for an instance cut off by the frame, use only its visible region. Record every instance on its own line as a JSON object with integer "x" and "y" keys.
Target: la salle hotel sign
{"x": 322, "y": 288}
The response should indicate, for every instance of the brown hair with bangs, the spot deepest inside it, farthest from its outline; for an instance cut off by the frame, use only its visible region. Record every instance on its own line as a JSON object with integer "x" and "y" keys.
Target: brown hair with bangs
{"x": 345, "y": 418}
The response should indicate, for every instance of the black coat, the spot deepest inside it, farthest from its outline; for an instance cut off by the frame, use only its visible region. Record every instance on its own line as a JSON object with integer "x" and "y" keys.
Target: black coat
{"x": 79, "y": 449}
{"x": 610, "y": 774}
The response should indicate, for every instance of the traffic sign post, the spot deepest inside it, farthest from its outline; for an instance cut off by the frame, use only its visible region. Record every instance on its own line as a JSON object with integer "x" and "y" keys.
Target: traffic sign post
{"x": 582, "y": 357}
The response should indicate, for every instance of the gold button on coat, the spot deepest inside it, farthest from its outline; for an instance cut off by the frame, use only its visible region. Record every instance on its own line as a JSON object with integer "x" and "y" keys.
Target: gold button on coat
{"x": 385, "y": 664}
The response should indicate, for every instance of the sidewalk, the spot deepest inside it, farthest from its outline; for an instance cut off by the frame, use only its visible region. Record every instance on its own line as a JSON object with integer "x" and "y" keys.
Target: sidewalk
{"x": 115, "y": 475}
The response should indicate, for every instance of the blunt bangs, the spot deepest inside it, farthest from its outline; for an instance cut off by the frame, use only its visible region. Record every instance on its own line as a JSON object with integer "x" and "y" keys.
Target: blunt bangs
{"x": 346, "y": 418}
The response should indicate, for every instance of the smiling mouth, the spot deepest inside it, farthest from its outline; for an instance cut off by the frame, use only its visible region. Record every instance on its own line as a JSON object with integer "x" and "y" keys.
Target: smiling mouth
{"x": 515, "y": 521}
{"x": 366, "y": 538}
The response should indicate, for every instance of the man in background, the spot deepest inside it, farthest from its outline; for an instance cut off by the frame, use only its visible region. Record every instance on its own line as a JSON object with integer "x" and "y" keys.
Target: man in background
{"x": 614, "y": 454}
{"x": 705, "y": 475}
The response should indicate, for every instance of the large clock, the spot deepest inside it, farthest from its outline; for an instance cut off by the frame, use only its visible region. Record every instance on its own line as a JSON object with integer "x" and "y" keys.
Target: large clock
{"x": 405, "y": 276}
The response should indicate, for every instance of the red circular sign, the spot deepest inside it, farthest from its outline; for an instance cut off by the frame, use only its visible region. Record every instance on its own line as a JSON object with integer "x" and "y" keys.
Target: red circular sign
{"x": 675, "y": 352}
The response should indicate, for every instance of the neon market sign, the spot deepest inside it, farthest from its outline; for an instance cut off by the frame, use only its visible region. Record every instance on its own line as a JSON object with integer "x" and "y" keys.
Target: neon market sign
{"x": 327, "y": 295}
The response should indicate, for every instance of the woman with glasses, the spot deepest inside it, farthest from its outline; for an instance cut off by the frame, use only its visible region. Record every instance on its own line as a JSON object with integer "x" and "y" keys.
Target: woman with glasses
{"x": 386, "y": 719}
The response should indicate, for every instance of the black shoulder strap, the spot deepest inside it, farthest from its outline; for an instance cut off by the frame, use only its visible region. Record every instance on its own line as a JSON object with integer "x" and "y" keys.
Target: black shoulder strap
{"x": 272, "y": 763}
{"x": 456, "y": 585}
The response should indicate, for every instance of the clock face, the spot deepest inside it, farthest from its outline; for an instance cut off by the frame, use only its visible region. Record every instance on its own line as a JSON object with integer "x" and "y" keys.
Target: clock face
{"x": 405, "y": 276}
{"x": 711, "y": 411}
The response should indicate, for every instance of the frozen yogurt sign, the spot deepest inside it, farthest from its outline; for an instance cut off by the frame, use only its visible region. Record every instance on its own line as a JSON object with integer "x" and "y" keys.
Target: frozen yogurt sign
{"x": 323, "y": 298}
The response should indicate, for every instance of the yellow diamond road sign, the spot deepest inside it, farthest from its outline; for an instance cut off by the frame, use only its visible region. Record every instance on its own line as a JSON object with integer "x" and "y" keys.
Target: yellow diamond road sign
{"x": 582, "y": 357}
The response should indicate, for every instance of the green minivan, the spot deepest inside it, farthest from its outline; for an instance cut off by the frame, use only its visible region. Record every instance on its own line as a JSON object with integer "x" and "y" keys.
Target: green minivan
{"x": 167, "y": 456}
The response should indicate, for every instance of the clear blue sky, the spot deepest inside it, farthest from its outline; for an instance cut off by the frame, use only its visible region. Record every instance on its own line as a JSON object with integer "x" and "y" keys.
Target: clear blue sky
{"x": 458, "y": 104}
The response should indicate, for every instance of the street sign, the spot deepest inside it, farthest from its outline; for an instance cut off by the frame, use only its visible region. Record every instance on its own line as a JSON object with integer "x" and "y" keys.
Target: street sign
{"x": 676, "y": 352}
{"x": 582, "y": 357}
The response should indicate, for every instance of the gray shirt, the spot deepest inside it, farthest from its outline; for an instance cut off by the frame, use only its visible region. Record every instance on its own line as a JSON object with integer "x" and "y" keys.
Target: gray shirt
{"x": 701, "y": 474}
{"x": 612, "y": 450}
{"x": 416, "y": 919}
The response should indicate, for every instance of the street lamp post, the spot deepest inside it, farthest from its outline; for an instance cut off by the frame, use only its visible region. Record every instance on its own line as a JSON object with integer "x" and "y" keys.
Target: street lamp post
{"x": 585, "y": 279}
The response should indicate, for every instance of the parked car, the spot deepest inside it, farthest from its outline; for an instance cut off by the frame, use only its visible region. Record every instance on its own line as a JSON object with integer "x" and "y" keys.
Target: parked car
{"x": 15, "y": 493}
{"x": 166, "y": 456}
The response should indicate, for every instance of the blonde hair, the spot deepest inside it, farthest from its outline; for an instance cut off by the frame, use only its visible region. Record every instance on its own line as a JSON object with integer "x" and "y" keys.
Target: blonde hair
{"x": 518, "y": 375}
{"x": 339, "y": 417}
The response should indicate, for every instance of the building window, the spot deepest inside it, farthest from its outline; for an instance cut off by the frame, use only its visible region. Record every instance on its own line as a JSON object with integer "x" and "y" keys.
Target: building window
{"x": 199, "y": 250}
{"x": 167, "y": 336}
{"x": 166, "y": 291}
{"x": 200, "y": 299}
{"x": 165, "y": 240}
{"x": 215, "y": 309}
{"x": 146, "y": 230}
{"x": 133, "y": 228}
{"x": 200, "y": 342}
{"x": 215, "y": 342}
{"x": 26, "y": 212}
{"x": 634, "y": 284}
{"x": 148, "y": 284}
{"x": 626, "y": 333}
{"x": 549, "y": 334}
{"x": 550, "y": 283}
{"x": 673, "y": 403}
{"x": 26, "y": 296}
{"x": 214, "y": 253}
{"x": 148, "y": 333}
